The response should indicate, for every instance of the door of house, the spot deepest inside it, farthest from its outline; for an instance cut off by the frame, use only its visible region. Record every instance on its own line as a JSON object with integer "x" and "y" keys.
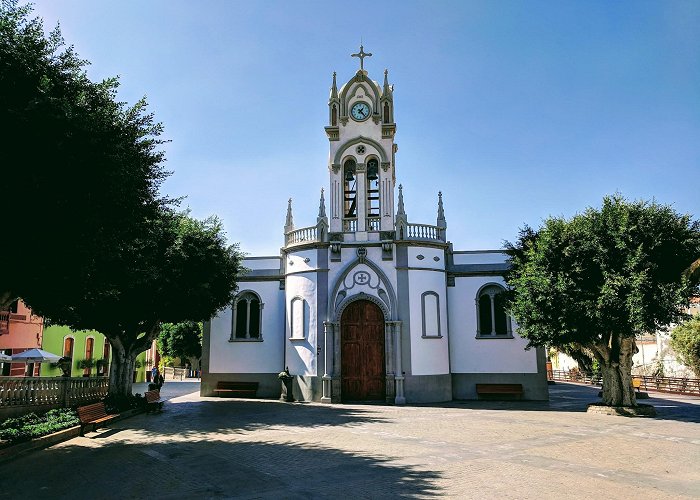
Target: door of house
{"x": 362, "y": 352}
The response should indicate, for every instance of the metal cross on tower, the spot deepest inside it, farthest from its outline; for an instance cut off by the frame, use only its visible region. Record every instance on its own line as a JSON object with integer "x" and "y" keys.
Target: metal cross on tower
{"x": 362, "y": 54}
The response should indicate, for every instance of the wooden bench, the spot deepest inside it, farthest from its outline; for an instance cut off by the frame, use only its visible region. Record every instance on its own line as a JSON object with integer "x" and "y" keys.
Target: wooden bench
{"x": 499, "y": 389}
{"x": 92, "y": 415}
{"x": 153, "y": 401}
{"x": 236, "y": 389}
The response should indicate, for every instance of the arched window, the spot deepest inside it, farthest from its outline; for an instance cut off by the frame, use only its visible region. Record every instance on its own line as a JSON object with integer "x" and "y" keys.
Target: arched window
{"x": 386, "y": 113}
{"x": 492, "y": 321}
{"x": 68, "y": 344}
{"x": 430, "y": 307}
{"x": 334, "y": 116}
{"x": 89, "y": 348}
{"x": 373, "y": 192}
{"x": 299, "y": 318}
{"x": 349, "y": 170}
{"x": 247, "y": 317}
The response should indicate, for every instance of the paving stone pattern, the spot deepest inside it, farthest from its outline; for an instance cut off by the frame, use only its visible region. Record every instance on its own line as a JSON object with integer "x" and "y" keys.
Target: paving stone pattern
{"x": 228, "y": 448}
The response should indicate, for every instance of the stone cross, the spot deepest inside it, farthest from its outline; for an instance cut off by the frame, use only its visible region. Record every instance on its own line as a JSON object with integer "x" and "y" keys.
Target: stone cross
{"x": 361, "y": 54}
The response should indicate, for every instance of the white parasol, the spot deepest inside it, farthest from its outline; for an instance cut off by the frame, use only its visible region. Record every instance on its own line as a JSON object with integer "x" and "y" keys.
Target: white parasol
{"x": 35, "y": 356}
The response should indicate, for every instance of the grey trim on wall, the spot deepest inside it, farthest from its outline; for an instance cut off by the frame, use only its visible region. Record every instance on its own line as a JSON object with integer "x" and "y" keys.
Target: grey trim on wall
{"x": 478, "y": 269}
{"x": 321, "y": 312}
{"x": 206, "y": 345}
{"x": 404, "y": 306}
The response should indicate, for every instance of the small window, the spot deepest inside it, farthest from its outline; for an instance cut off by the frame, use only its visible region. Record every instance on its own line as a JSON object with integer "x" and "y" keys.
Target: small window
{"x": 387, "y": 118}
{"x": 430, "y": 306}
{"x": 334, "y": 116}
{"x": 492, "y": 319}
{"x": 247, "y": 317}
{"x": 299, "y": 318}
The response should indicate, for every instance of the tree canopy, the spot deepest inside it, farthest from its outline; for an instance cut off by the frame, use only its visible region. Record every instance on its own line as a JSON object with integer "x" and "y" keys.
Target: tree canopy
{"x": 81, "y": 169}
{"x": 597, "y": 280}
{"x": 181, "y": 340}
{"x": 685, "y": 340}
{"x": 101, "y": 249}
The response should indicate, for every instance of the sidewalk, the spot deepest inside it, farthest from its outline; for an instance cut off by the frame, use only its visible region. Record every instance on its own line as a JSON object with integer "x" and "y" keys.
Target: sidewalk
{"x": 229, "y": 448}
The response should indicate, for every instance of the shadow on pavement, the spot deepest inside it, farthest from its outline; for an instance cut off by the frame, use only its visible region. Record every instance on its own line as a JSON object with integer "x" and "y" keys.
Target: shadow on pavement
{"x": 569, "y": 397}
{"x": 214, "y": 469}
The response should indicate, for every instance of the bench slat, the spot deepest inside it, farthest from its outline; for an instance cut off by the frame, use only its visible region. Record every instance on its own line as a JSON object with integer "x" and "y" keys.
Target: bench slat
{"x": 499, "y": 388}
{"x": 243, "y": 389}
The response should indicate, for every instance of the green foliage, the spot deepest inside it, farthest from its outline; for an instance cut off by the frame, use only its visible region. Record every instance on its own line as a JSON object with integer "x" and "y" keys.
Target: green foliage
{"x": 123, "y": 260}
{"x": 180, "y": 340}
{"x": 685, "y": 340}
{"x": 89, "y": 165}
{"x": 617, "y": 269}
{"x": 86, "y": 363}
{"x": 32, "y": 426}
{"x": 116, "y": 403}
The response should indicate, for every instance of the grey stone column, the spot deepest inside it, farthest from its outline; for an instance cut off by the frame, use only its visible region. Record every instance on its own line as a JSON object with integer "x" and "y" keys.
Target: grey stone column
{"x": 400, "y": 398}
{"x": 329, "y": 334}
{"x": 336, "y": 396}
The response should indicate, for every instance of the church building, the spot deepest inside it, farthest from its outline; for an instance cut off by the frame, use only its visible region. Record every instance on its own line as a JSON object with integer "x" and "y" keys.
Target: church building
{"x": 364, "y": 305}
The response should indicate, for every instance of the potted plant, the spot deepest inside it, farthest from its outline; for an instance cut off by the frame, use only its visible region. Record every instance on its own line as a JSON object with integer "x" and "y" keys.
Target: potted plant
{"x": 102, "y": 365}
{"x": 86, "y": 364}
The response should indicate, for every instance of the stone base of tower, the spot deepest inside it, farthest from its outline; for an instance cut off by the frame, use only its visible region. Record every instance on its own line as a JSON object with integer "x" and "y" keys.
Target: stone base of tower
{"x": 268, "y": 384}
{"x": 428, "y": 388}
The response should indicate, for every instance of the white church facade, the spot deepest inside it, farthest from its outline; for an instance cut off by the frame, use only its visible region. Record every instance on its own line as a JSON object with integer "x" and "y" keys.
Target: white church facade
{"x": 365, "y": 305}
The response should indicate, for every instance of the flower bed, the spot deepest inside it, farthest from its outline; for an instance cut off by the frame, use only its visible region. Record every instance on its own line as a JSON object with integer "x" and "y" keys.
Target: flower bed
{"x": 26, "y": 427}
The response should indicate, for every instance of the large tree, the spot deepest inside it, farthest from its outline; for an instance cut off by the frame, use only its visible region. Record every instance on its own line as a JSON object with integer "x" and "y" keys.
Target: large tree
{"x": 601, "y": 278}
{"x": 99, "y": 247}
{"x": 78, "y": 166}
{"x": 179, "y": 270}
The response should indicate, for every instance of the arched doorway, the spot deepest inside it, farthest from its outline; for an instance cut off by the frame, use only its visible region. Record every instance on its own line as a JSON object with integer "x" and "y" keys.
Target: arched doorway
{"x": 363, "y": 372}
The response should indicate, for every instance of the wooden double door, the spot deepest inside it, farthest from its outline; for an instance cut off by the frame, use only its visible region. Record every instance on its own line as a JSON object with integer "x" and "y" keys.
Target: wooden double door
{"x": 363, "y": 367}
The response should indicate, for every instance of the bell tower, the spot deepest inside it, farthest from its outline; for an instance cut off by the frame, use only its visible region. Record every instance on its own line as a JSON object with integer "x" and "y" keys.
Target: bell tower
{"x": 361, "y": 160}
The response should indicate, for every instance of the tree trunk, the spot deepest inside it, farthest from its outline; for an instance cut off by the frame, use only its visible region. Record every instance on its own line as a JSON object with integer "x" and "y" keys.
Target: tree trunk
{"x": 616, "y": 366}
{"x": 121, "y": 372}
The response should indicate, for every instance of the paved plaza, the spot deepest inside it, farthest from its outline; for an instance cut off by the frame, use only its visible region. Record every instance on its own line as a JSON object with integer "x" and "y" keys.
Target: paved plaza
{"x": 218, "y": 448}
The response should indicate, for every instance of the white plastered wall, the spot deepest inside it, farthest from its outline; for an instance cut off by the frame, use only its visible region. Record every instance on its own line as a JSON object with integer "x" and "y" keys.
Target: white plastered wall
{"x": 300, "y": 354}
{"x": 250, "y": 357}
{"x": 471, "y": 355}
{"x": 429, "y": 356}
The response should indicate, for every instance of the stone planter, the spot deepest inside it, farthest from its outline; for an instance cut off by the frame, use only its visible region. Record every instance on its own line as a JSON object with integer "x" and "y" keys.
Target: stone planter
{"x": 625, "y": 411}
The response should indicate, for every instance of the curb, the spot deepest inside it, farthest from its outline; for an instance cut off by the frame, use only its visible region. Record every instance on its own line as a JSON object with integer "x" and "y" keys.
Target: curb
{"x": 16, "y": 450}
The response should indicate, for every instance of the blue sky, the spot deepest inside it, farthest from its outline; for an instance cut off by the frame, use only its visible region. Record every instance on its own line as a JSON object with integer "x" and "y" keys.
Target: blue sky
{"x": 515, "y": 110}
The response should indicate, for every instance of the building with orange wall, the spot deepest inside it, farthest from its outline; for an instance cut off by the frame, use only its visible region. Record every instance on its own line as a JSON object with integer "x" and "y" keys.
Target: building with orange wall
{"x": 20, "y": 330}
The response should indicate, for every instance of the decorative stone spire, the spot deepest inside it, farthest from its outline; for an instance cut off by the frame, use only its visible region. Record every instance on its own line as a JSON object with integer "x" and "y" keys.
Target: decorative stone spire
{"x": 387, "y": 88}
{"x": 321, "y": 208}
{"x": 441, "y": 222}
{"x": 289, "y": 223}
{"x": 334, "y": 88}
{"x": 401, "y": 213}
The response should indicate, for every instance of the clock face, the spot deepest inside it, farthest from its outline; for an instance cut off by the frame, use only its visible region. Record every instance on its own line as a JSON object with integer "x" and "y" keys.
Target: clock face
{"x": 360, "y": 111}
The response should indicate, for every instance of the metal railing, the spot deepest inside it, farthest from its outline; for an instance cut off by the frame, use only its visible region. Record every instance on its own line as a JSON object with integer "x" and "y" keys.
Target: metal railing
{"x": 674, "y": 385}
{"x": 373, "y": 223}
{"x": 56, "y": 391}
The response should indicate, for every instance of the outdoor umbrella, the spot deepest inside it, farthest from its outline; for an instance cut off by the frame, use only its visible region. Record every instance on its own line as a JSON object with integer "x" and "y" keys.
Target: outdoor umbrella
{"x": 4, "y": 358}
{"x": 35, "y": 356}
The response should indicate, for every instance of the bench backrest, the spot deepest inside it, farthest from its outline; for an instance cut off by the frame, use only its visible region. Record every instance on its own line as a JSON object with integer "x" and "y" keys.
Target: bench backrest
{"x": 91, "y": 412}
{"x": 245, "y": 386}
{"x": 510, "y": 388}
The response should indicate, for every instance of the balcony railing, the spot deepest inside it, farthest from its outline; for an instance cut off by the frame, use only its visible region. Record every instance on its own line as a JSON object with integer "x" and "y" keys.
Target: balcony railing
{"x": 302, "y": 235}
{"x": 423, "y": 232}
{"x": 350, "y": 225}
{"x": 373, "y": 223}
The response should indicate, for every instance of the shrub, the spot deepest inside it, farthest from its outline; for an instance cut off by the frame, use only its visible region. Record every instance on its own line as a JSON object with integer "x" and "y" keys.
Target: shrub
{"x": 32, "y": 426}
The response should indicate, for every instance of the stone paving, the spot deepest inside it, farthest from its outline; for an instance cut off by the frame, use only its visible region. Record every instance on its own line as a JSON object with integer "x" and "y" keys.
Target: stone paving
{"x": 228, "y": 448}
